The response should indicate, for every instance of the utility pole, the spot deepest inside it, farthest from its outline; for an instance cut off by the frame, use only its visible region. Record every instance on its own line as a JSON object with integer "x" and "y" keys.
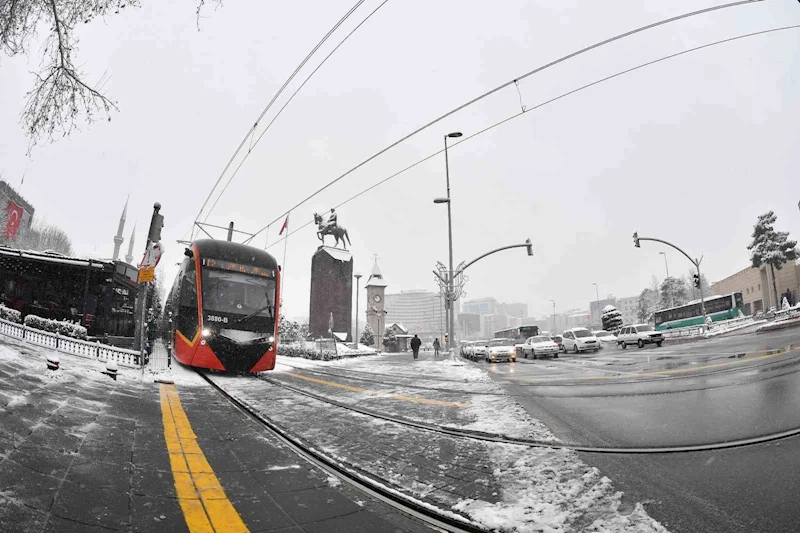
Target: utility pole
{"x": 358, "y": 279}
{"x": 554, "y": 317}
{"x": 146, "y": 271}
{"x": 597, "y": 294}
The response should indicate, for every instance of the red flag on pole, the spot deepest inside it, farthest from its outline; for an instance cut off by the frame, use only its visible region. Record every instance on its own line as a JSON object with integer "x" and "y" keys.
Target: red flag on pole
{"x": 14, "y": 213}
{"x": 285, "y": 225}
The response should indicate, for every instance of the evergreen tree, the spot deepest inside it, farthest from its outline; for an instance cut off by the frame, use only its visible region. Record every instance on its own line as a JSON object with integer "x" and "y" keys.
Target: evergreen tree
{"x": 611, "y": 317}
{"x": 367, "y": 336}
{"x": 288, "y": 330}
{"x": 648, "y": 301}
{"x": 674, "y": 292}
{"x": 302, "y": 331}
{"x": 390, "y": 340}
{"x": 770, "y": 247}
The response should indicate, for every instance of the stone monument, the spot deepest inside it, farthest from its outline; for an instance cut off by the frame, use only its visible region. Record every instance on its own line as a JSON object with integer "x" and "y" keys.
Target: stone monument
{"x": 331, "y": 299}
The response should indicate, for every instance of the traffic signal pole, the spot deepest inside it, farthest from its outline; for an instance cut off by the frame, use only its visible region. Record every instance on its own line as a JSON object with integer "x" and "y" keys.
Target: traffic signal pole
{"x": 140, "y": 329}
{"x": 695, "y": 262}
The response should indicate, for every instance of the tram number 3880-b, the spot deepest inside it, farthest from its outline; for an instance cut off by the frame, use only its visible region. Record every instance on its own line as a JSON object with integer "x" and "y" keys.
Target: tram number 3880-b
{"x": 224, "y": 307}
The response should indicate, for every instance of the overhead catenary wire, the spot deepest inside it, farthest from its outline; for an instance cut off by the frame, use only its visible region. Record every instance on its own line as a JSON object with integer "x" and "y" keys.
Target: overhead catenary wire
{"x": 503, "y": 86}
{"x": 251, "y": 131}
{"x": 546, "y": 102}
{"x": 278, "y": 114}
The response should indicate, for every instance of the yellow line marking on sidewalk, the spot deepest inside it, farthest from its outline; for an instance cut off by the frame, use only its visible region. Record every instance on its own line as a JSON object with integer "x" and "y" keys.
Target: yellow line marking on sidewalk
{"x": 200, "y": 494}
{"x": 401, "y": 397}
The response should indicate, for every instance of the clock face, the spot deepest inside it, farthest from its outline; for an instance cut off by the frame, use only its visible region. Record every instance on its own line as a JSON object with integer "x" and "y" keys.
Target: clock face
{"x": 376, "y": 298}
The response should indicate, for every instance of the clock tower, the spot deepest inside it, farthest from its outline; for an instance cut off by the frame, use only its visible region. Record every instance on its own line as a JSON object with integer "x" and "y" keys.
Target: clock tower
{"x": 376, "y": 313}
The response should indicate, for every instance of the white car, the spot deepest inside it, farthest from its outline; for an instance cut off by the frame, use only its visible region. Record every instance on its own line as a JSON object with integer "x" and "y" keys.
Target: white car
{"x": 577, "y": 340}
{"x": 540, "y": 346}
{"x": 639, "y": 334}
{"x": 501, "y": 350}
{"x": 479, "y": 350}
{"x": 606, "y": 338}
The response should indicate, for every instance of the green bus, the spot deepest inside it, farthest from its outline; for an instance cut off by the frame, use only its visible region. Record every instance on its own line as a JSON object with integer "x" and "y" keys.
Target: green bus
{"x": 717, "y": 307}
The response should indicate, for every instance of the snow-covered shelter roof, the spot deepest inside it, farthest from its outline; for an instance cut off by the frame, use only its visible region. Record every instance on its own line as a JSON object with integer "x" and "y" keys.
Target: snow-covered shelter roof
{"x": 54, "y": 257}
{"x": 400, "y": 327}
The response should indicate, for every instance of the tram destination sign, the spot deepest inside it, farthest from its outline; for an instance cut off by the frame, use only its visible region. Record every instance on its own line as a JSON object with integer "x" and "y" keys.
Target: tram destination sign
{"x": 238, "y": 267}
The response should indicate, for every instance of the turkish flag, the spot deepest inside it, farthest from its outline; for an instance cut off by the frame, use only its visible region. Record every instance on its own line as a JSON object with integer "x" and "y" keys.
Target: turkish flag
{"x": 14, "y": 217}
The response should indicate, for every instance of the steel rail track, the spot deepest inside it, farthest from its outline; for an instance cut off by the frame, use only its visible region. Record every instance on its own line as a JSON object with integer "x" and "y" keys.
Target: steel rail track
{"x": 504, "y": 439}
{"x": 351, "y": 474}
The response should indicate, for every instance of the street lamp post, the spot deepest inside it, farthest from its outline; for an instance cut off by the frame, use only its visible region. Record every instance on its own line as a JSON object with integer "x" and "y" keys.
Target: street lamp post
{"x": 358, "y": 279}
{"x": 695, "y": 262}
{"x": 666, "y": 266}
{"x": 554, "y": 316}
{"x": 597, "y": 293}
{"x": 450, "y": 291}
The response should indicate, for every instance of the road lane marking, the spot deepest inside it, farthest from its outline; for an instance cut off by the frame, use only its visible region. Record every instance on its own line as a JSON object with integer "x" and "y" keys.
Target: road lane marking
{"x": 400, "y": 397}
{"x": 205, "y": 506}
{"x": 676, "y": 370}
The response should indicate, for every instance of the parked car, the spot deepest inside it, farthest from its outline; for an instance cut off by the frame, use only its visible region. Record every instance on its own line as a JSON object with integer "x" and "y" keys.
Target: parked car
{"x": 606, "y": 338}
{"x": 580, "y": 340}
{"x": 501, "y": 350}
{"x": 558, "y": 339}
{"x": 540, "y": 346}
{"x": 464, "y": 349}
{"x": 479, "y": 350}
{"x": 639, "y": 334}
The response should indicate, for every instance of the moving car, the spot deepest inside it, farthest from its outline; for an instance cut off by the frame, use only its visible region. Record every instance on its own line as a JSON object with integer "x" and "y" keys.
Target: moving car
{"x": 501, "y": 350}
{"x": 639, "y": 334}
{"x": 540, "y": 346}
{"x": 606, "y": 338}
{"x": 580, "y": 340}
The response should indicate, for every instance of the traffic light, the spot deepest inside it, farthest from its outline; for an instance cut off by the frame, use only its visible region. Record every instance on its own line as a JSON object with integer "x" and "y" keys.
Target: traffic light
{"x": 697, "y": 280}
{"x": 636, "y": 239}
{"x": 529, "y": 247}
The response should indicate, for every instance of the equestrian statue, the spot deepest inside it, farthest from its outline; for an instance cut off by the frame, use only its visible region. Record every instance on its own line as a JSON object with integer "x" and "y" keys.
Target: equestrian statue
{"x": 331, "y": 227}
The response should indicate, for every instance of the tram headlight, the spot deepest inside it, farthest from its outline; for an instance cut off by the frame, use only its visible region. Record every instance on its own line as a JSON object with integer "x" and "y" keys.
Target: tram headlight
{"x": 206, "y": 332}
{"x": 271, "y": 339}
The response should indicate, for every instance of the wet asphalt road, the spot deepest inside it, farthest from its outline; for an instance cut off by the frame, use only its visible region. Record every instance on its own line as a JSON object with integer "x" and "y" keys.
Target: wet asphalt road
{"x": 714, "y": 391}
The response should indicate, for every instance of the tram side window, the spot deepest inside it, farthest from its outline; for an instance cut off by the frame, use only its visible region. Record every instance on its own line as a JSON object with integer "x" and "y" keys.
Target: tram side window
{"x": 187, "y": 317}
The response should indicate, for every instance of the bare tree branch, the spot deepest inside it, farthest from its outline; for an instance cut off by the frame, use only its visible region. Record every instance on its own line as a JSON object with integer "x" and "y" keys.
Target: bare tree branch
{"x": 59, "y": 98}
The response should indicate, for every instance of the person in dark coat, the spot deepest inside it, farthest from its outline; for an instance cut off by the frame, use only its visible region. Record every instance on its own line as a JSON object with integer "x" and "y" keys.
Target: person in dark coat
{"x": 415, "y": 344}
{"x": 436, "y": 347}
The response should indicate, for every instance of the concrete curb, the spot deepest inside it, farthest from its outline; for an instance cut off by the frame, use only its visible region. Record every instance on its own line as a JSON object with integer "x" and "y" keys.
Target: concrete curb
{"x": 779, "y": 326}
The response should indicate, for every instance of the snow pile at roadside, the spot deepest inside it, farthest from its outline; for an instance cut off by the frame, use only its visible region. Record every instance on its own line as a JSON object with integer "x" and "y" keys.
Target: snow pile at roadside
{"x": 724, "y": 328}
{"x": 548, "y": 490}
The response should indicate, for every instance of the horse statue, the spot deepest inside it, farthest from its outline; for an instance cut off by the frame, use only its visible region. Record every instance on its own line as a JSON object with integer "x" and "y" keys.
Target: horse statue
{"x": 339, "y": 233}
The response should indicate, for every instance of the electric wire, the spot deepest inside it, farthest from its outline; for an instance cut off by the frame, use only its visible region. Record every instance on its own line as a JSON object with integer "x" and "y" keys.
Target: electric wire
{"x": 278, "y": 114}
{"x": 542, "y": 104}
{"x": 502, "y": 86}
{"x": 274, "y": 98}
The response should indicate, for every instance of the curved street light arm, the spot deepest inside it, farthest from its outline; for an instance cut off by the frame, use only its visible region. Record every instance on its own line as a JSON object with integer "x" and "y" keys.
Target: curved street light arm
{"x": 524, "y": 245}
{"x": 695, "y": 262}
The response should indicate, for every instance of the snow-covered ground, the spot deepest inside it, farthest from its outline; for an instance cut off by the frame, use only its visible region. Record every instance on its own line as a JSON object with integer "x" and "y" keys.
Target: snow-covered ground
{"x": 483, "y": 404}
{"x": 540, "y": 489}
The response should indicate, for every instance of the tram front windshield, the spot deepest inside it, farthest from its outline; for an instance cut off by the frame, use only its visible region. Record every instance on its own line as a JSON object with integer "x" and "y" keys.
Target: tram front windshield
{"x": 229, "y": 297}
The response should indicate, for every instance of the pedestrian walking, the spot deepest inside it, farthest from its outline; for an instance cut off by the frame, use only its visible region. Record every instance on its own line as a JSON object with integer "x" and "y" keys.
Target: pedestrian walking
{"x": 415, "y": 344}
{"x": 436, "y": 347}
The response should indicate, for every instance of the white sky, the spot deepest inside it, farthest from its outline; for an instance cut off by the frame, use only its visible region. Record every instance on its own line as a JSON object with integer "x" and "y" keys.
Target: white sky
{"x": 690, "y": 151}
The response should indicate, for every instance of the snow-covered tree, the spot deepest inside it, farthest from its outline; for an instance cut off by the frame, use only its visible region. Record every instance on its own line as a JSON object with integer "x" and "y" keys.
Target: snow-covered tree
{"x": 611, "y": 317}
{"x": 770, "y": 247}
{"x": 40, "y": 236}
{"x": 367, "y": 336}
{"x": 303, "y": 331}
{"x": 390, "y": 339}
{"x": 288, "y": 330}
{"x": 648, "y": 302}
{"x": 674, "y": 292}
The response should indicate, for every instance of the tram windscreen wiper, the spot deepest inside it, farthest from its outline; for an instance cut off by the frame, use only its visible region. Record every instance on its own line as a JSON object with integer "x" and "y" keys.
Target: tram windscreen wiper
{"x": 267, "y": 307}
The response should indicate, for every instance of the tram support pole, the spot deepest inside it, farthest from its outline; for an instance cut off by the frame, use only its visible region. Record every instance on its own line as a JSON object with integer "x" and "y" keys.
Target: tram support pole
{"x": 140, "y": 329}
